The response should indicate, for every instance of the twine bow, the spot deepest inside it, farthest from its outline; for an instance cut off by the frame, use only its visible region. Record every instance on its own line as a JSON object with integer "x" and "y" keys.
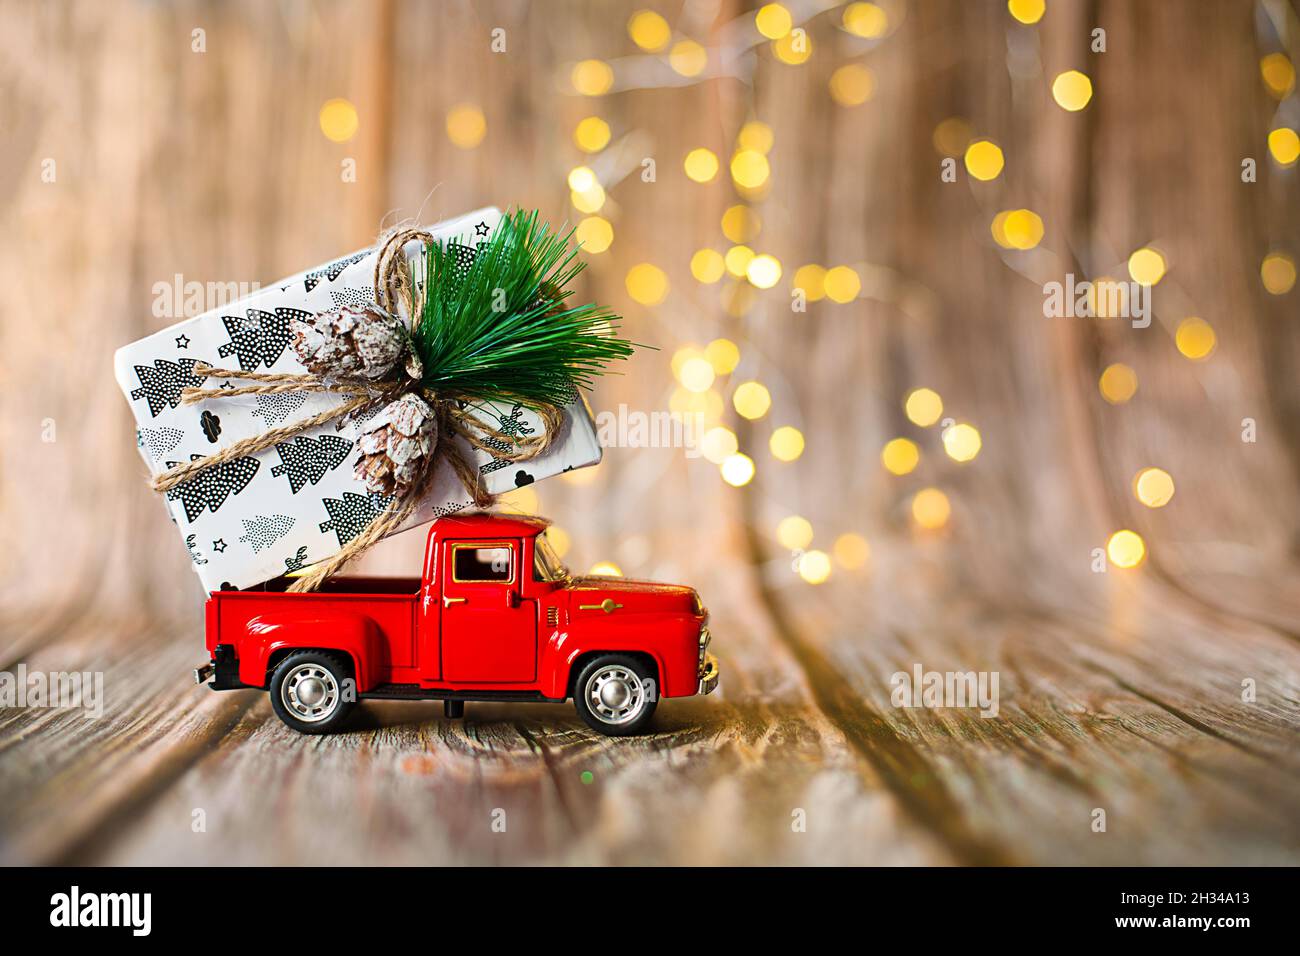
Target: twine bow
{"x": 394, "y": 287}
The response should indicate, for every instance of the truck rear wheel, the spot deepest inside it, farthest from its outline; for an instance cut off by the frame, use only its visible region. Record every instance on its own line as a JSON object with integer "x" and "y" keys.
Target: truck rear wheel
{"x": 307, "y": 692}
{"x": 615, "y": 694}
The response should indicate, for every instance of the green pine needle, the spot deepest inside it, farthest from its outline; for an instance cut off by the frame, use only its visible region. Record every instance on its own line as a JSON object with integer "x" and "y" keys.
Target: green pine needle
{"x": 501, "y": 330}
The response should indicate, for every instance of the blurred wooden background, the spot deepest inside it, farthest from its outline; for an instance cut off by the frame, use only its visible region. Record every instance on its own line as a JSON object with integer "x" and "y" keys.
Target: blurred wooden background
{"x": 1120, "y": 690}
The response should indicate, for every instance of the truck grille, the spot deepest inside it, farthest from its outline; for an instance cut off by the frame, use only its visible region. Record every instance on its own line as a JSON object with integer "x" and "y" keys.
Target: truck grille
{"x": 552, "y": 617}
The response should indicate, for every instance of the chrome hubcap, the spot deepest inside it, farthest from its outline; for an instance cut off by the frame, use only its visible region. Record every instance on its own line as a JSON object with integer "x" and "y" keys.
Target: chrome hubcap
{"x": 615, "y": 694}
{"x": 310, "y": 693}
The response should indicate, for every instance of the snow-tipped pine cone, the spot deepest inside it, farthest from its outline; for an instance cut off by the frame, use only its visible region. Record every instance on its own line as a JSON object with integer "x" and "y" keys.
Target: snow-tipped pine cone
{"x": 396, "y": 445}
{"x": 352, "y": 342}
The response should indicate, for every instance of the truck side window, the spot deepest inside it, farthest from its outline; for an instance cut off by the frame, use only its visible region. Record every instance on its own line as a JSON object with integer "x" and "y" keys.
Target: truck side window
{"x": 476, "y": 564}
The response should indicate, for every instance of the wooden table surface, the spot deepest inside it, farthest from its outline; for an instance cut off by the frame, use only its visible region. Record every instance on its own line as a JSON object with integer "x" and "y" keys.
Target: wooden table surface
{"x": 1133, "y": 707}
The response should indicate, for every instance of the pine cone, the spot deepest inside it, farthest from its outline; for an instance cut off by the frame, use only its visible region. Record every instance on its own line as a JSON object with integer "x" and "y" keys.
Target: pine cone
{"x": 349, "y": 342}
{"x": 396, "y": 445}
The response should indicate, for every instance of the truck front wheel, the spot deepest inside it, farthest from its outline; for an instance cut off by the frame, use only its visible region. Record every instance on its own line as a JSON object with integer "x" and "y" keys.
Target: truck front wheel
{"x": 308, "y": 692}
{"x": 615, "y": 694}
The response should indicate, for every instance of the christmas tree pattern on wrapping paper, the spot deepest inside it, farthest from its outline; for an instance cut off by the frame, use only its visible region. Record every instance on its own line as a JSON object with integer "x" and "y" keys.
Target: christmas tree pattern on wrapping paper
{"x": 262, "y": 531}
{"x": 308, "y": 459}
{"x": 333, "y": 270}
{"x": 160, "y": 441}
{"x": 278, "y": 406}
{"x": 161, "y": 386}
{"x": 259, "y": 338}
{"x": 352, "y": 297}
{"x": 350, "y": 515}
{"x": 465, "y": 256}
{"x": 212, "y": 486}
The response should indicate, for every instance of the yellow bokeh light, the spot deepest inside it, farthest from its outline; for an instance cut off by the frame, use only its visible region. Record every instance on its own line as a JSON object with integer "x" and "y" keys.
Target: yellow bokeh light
{"x": 1154, "y": 487}
{"x": 793, "y": 48}
{"x": 951, "y": 136}
{"x": 592, "y": 77}
{"x": 559, "y": 540}
{"x": 1195, "y": 338}
{"x": 1278, "y": 74}
{"x": 923, "y": 407}
{"x": 814, "y": 566}
{"x": 998, "y": 228}
{"x": 1126, "y": 549}
{"x": 984, "y": 160}
{"x": 688, "y": 58}
{"x": 701, "y": 164}
{"x": 786, "y": 443}
{"x": 1072, "y": 90}
{"x": 589, "y": 200}
{"x": 338, "y": 120}
{"x": 649, "y": 30}
{"x": 851, "y": 550}
{"x": 1146, "y": 266}
{"x": 737, "y": 260}
{"x": 1027, "y": 11}
{"x": 1022, "y": 228}
{"x": 595, "y": 233}
{"x": 606, "y": 569}
{"x": 581, "y": 179}
{"x": 842, "y": 284}
{"x": 900, "y": 456}
{"x": 1284, "y": 144}
{"x": 749, "y": 168}
{"x": 466, "y": 126}
{"x": 591, "y": 135}
{"x": 741, "y": 224}
{"x": 812, "y": 279}
{"x": 930, "y": 509}
{"x": 962, "y": 442}
{"x": 737, "y": 470}
{"x": 723, "y": 355}
{"x": 865, "y": 20}
{"x": 773, "y": 21}
{"x": 852, "y": 85}
{"x": 1118, "y": 383}
{"x": 696, "y": 375}
{"x": 707, "y": 265}
{"x": 681, "y": 356}
{"x": 756, "y": 136}
{"x": 647, "y": 284}
{"x": 751, "y": 400}
{"x": 718, "y": 444}
{"x": 794, "y": 532}
{"x": 1277, "y": 272}
{"x": 763, "y": 271}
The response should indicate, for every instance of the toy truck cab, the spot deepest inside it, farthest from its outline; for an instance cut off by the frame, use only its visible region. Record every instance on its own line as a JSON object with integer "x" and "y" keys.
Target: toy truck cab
{"x": 494, "y": 616}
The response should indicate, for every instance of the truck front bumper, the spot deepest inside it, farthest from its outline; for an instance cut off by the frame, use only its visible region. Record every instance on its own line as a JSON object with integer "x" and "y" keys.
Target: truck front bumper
{"x": 708, "y": 675}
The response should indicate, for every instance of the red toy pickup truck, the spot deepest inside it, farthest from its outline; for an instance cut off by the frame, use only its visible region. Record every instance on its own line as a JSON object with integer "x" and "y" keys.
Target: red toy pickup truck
{"x": 495, "y": 616}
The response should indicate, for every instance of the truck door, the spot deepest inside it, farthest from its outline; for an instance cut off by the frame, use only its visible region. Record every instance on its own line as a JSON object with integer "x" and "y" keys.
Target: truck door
{"x": 489, "y": 636}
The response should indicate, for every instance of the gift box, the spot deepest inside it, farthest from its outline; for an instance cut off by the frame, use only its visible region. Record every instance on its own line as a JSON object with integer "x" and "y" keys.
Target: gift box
{"x": 254, "y": 518}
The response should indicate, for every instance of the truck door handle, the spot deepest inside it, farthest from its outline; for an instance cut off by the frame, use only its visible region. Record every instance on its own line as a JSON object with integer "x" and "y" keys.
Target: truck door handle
{"x": 449, "y": 601}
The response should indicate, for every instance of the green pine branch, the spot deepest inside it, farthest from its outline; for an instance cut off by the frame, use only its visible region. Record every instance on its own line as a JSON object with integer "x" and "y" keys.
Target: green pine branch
{"x": 502, "y": 331}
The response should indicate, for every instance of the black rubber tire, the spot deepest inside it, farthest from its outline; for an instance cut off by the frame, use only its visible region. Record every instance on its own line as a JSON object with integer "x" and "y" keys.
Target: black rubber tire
{"x": 339, "y": 668}
{"x": 593, "y": 720}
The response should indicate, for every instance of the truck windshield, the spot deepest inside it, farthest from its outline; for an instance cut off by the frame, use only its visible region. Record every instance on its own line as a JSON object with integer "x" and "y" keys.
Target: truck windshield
{"x": 546, "y": 565}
